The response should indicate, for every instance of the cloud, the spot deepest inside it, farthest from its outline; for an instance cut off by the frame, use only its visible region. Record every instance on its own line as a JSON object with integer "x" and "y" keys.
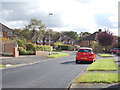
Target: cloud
{"x": 23, "y": 11}
{"x": 79, "y": 15}
{"x": 102, "y": 19}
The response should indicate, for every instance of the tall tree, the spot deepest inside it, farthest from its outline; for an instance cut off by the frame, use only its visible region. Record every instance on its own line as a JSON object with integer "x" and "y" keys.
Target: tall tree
{"x": 71, "y": 34}
{"x": 36, "y": 27}
{"x": 105, "y": 38}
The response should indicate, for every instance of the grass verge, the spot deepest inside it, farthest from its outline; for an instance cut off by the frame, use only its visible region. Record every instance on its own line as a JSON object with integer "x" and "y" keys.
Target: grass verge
{"x": 58, "y": 54}
{"x": 103, "y": 65}
{"x": 105, "y": 55}
{"x": 98, "y": 78}
{"x": 2, "y": 66}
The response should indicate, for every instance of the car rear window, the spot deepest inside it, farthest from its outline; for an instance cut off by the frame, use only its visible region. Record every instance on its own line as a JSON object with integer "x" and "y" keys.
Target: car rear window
{"x": 116, "y": 48}
{"x": 84, "y": 50}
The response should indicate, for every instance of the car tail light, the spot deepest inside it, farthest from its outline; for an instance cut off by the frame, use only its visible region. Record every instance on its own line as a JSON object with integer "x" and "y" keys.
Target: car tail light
{"x": 91, "y": 54}
{"x": 77, "y": 53}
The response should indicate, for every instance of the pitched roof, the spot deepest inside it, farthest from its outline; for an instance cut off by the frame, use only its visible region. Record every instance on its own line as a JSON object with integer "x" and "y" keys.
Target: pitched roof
{"x": 90, "y": 37}
{"x": 4, "y": 28}
{"x": 65, "y": 37}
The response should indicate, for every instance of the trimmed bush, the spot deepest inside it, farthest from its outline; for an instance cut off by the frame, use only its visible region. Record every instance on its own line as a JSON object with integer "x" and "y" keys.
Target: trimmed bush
{"x": 67, "y": 47}
{"x": 63, "y": 47}
{"x": 44, "y": 48}
{"x": 22, "y": 51}
{"x": 30, "y": 47}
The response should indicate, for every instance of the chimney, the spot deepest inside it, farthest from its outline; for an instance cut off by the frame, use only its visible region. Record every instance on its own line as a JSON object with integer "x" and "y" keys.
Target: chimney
{"x": 99, "y": 30}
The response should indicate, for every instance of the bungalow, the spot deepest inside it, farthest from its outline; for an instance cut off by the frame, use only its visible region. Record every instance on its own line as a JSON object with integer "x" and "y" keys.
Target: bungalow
{"x": 6, "y": 32}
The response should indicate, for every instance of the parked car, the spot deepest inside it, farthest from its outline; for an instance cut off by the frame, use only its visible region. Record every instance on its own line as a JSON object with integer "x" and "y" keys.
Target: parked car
{"x": 115, "y": 50}
{"x": 85, "y": 55}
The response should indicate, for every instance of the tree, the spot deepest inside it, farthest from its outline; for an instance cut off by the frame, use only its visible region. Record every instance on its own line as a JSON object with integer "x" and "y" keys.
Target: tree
{"x": 84, "y": 34}
{"x": 105, "y": 39}
{"x": 71, "y": 34}
{"x": 36, "y": 29}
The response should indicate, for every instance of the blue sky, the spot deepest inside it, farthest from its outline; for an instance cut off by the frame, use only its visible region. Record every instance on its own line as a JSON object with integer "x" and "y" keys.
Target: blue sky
{"x": 76, "y": 15}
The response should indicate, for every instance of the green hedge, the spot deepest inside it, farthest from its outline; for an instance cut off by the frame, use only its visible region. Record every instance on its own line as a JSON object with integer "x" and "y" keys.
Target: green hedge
{"x": 44, "y": 48}
{"x": 67, "y": 47}
{"x": 30, "y": 47}
{"x": 23, "y": 51}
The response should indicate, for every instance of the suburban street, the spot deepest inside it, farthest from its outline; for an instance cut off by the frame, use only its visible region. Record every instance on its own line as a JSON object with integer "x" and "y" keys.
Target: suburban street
{"x": 53, "y": 73}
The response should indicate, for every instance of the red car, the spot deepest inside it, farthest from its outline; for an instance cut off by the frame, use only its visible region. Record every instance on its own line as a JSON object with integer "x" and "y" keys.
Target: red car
{"x": 115, "y": 50}
{"x": 85, "y": 54}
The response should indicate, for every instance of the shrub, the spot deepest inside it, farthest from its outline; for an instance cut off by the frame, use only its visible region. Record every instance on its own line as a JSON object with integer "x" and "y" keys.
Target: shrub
{"x": 22, "y": 51}
{"x": 63, "y": 47}
{"x": 67, "y": 47}
{"x": 30, "y": 47}
{"x": 44, "y": 48}
{"x": 21, "y": 43}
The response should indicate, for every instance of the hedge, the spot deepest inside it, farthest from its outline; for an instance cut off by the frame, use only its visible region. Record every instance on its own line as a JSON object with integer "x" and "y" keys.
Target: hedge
{"x": 30, "y": 47}
{"x": 67, "y": 47}
{"x": 23, "y": 51}
{"x": 44, "y": 48}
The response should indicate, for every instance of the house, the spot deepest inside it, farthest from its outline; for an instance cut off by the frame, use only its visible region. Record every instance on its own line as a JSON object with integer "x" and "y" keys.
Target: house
{"x": 6, "y": 32}
{"x": 87, "y": 41}
{"x": 42, "y": 40}
{"x": 66, "y": 40}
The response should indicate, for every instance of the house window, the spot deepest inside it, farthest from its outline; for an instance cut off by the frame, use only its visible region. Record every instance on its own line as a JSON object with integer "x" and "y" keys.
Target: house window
{"x": 1, "y": 34}
{"x": 9, "y": 33}
{"x": 41, "y": 41}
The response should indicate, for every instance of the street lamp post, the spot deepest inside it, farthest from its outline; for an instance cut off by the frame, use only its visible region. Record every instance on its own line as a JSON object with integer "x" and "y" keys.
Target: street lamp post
{"x": 49, "y": 30}
{"x": 49, "y": 27}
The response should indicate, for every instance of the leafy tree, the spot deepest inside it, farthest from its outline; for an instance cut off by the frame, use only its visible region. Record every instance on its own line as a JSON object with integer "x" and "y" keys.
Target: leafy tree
{"x": 105, "y": 39}
{"x": 36, "y": 28}
{"x": 71, "y": 34}
{"x": 84, "y": 34}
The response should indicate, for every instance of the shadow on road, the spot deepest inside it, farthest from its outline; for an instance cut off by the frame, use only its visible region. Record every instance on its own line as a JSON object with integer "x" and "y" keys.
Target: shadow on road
{"x": 73, "y": 62}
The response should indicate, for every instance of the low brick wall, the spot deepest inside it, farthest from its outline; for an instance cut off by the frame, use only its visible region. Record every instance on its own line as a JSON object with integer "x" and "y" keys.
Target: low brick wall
{"x": 9, "y": 48}
{"x": 39, "y": 53}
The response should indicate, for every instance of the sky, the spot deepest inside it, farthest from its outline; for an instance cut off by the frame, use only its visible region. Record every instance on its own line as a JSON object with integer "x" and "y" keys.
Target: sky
{"x": 68, "y": 15}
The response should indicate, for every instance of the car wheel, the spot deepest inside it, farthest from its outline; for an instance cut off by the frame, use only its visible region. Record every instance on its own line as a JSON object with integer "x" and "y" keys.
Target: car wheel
{"x": 76, "y": 61}
{"x": 112, "y": 52}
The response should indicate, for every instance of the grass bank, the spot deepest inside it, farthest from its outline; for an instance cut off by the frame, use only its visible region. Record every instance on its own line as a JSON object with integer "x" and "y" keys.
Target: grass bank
{"x": 98, "y": 78}
{"x": 103, "y": 65}
{"x": 2, "y": 66}
{"x": 57, "y": 54}
{"x": 105, "y": 55}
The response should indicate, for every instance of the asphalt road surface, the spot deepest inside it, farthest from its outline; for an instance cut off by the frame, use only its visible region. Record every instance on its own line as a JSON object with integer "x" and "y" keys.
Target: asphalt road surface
{"x": 55, "y": 73}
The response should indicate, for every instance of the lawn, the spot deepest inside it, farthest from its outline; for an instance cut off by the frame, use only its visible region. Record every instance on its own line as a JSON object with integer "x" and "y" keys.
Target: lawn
{"x": 57, "y": 54}
{"x": 105, "y": 55}
{"x": 98, "y": 78}
{"x": 1, "y": 66}
{"x": 103, "y": 65}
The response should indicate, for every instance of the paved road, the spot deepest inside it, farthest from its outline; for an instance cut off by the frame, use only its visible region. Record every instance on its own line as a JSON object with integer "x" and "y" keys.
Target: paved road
{"x": 55, "y": 73}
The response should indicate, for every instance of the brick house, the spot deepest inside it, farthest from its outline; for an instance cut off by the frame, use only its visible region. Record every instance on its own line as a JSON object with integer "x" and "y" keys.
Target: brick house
{"x": 42, "y": 40}
{"x": 6, "y": 32}
{"x": 87, "y": 41}
{"x": 66, "y": 40}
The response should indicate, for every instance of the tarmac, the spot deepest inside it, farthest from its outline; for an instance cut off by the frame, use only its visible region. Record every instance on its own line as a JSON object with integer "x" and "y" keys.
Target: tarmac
{"x": 22, "y": 60}
{"x": 32, "y": 59}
